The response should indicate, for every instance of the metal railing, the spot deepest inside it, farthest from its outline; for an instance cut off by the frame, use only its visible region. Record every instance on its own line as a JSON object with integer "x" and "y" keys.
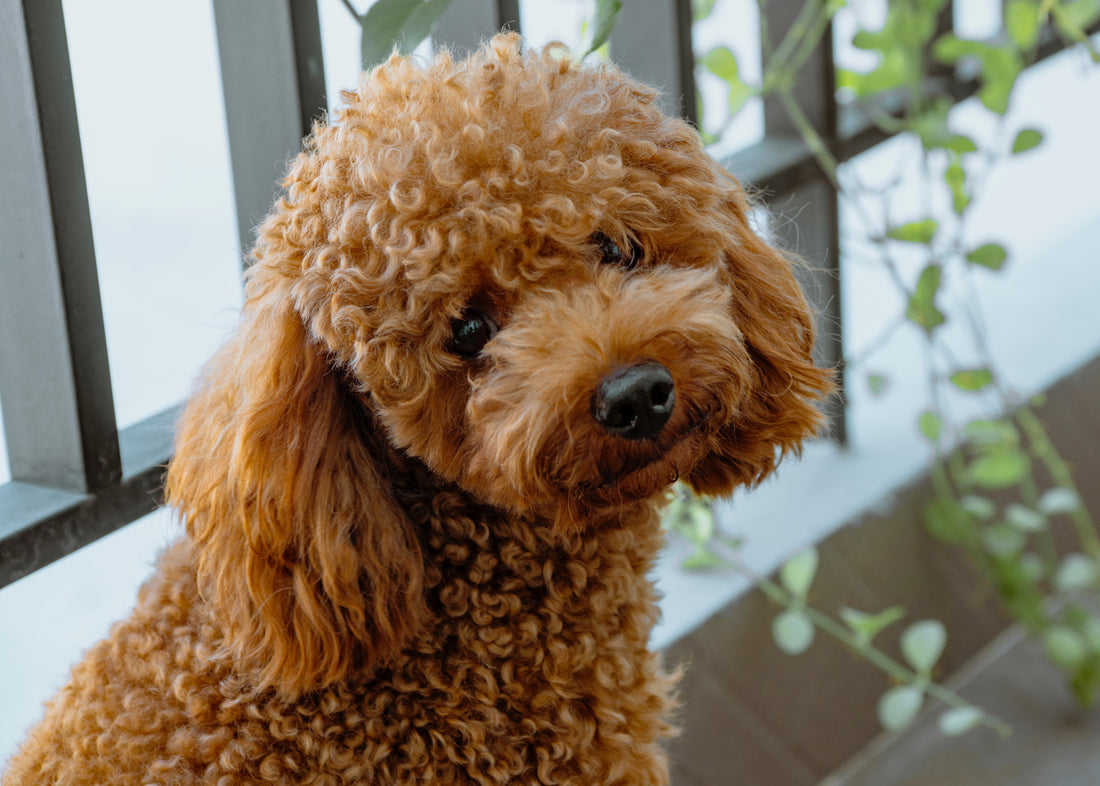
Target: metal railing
{"x": 75, "y": 475}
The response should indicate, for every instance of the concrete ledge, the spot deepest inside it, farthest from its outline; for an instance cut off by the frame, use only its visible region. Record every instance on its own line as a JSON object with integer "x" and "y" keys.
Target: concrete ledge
{"x": 754, "y": 715}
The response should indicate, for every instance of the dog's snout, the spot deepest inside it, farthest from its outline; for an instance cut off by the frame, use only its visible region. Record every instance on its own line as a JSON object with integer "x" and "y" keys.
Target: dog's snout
{"x": 635, "y": 402}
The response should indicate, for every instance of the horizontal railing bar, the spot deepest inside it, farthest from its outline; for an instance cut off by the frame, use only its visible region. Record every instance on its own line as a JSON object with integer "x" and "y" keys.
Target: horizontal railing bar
{"x": 148, "y": 443}
{"x": 39, "y": 524}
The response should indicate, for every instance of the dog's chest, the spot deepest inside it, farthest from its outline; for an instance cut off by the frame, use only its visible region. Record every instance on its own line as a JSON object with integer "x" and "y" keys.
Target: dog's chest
{"x": 534, "y": 667}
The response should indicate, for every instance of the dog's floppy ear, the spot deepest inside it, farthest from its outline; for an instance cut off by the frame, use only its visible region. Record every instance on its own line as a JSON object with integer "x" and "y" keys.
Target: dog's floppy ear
{"x": 301, "y": 548}
{"x": 779, "y": 407}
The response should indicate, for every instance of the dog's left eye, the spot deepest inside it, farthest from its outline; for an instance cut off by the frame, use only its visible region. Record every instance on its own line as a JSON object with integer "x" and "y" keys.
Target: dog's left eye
{"x": 612, "y": 254}
{"x": 470, "y": 333}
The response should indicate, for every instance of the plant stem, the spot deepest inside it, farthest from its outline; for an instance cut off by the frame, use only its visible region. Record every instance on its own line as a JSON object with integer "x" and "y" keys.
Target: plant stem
{"x": 810, "y": 40}
{"x": 352, "y": 11}
{"x": 798, "y": 29}
{"x": 809, "y": 134}
{"x": 1060, "y": 473}
{"x": 874, "y": 656}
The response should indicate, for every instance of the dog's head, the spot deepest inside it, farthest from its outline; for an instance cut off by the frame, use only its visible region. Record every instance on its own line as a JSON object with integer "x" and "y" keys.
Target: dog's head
{"x": 516, "y": 271}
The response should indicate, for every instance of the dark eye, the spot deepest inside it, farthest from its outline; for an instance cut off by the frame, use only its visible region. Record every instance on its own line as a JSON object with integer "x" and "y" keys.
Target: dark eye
{"x": 471, "y": 332}
{"x": 612, "y": 254}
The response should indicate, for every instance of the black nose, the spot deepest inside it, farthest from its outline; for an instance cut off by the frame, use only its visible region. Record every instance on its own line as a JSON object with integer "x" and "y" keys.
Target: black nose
{"x": 635, "y": 402}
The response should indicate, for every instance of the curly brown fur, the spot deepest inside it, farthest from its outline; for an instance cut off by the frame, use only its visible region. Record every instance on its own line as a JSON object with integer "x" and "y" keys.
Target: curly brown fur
{"x": 406, "y": 565}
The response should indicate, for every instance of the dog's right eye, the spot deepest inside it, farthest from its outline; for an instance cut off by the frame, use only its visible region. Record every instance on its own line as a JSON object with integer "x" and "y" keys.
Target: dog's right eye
{"x": 611, "y": 254}
{"x": 470, "y": 333}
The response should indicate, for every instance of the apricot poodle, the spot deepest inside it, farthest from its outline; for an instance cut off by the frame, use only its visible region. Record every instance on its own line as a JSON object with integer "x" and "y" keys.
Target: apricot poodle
{"x": 503, "y": 304}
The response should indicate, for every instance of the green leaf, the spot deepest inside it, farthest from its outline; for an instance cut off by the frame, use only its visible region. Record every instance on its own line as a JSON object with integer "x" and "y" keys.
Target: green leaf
{"x": 692, "y": 517}
{"x": 877, "y": 383}
{"x": 797, "y": 574}
{"x": 1065, "y": 647}
{"x": 930, "y": 425}
{"x": 847, "y": 79}
{"x": 922, "y": 644}
{"x": 702, "y": 559}
{"x": 793, "y": 632}
{"x": 1090, "y": 630}
{"x": 949, "y": 48}
{"x": 867, "y": 626}
{"x": 894, "y": 70}
{"x": 931, "y": 124}
{"x": 972, "y": 380}
{"x": 1032, "y": 567}
{"x": 734, "y": 542}
{"x": 922, "y": 231}
{"x": 700, "y": 9}
{"x": 397, "y": 23}
{"x": 1024, "y": 519}
{"x": 999, "y": 468}
{"x": 603, "y": 22}
{"x": 1000, "y": 65}
{"x": 922, "y": 308}
{"x": 955, "y": 178}
{"x": 978, "y": 507}
{"x": 1026, "y": 140}
{"x": 959, "y": 143}
{"x": 1075, "y": 572}
{"x": 990, "y": 255}
{"x": 947, "y": 521}
{"x": 899, "y": 706}
{"x": 700, "y": 519}
{"x": 722, "y": 62}
{"x": 900, "y": 44}
{"x": 991, "y": 433}
{"x": 1003, "y": 541}
{"x": 1023, "y": 21}
{"x": 1082, "y": 13}
{"x": 1059, "y": 500}
{"x": 999, "y": 71}
{"x": 959, "y": 720}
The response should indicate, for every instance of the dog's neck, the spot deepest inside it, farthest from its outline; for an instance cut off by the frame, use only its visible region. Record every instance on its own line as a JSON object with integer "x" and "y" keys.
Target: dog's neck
{"x": 416, "y": 488}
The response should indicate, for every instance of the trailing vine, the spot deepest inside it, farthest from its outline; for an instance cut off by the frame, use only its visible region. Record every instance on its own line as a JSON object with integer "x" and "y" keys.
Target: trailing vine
{"x": 1000, "y": 485}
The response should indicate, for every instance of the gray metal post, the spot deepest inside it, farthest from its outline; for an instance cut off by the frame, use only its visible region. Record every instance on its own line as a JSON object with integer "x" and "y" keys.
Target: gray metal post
{"x": 273, "y": 81}
{"x": 816, "y": 234}
{"x": 466, "y": 23}
{"x": 652, "y": 42}
{"x": 55, "y": 382}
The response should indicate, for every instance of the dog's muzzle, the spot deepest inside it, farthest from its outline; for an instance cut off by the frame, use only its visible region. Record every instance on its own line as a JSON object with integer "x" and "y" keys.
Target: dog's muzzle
{"x": 635, "y": 402}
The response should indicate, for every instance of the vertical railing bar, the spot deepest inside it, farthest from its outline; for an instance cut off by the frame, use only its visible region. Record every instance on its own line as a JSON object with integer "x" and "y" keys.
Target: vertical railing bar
{"x": 309, "y": 62}
{"x": 817, "y": 236}
{"x": 689, "y": 108}
{"x": 508, "y": 16}
{"x": 58, "y": 402}
{"x": 652, "y": 42}
{"x": 466, "y": 23}
{"x": 273, "y": 84}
